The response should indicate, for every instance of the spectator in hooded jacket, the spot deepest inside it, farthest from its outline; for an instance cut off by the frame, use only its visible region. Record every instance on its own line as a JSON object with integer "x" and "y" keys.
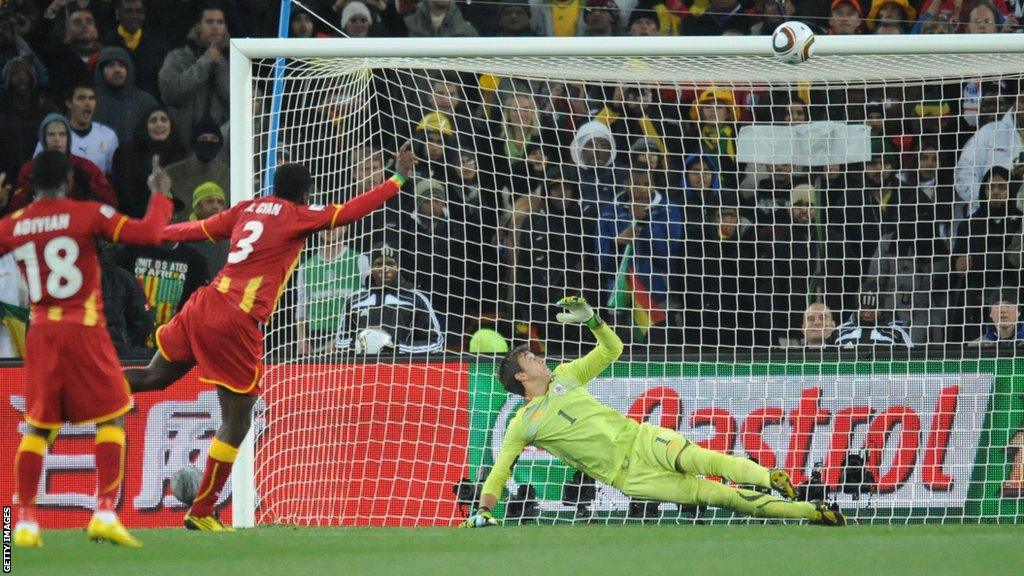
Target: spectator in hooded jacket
{"x": 119, "y": 104}
{"x": 21, "y": 110}
{"x": 155, "y": 134}
{"x": 14, "y": 46}
{"x": 91, "y": 140}
{"x": 438, "y": 18}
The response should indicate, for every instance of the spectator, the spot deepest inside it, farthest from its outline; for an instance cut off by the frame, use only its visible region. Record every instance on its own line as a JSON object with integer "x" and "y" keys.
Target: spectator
{"x": 146, "y": 48}
{"x": 995, "y": 144}
{"x": 390, "y": 304}
{"x": 846, "y": 17}
{"x": 982, "y": 18}
{"x": 438, "y": 18}
{"x": 868, "y": 328}
{"x": 201, "y": 166}
{"x": 889, "y": 27}
{"x": 701, "y": 185}
{"x": 129, "y": 318}
{"x": 635, "y": 113}
{"x": 119, "y": 104}
{"x": 644, "y": 154}
{"x": 1006, "y": 325}
{"x": 549, "y": 259}
{"x": 898, "y": 12}
{"x": 154, "y": 134}
{"x": 638, "y": 243}
{"x": 818, "y": 326}
{"x": 719, "y": 17}
{"x": 719, "y": 287}
{"x": 522, "y": 128}
{"x": 324, "y": 282}
{"x": 13, "y": 46}
{"x": 514, "y": 21}
{"x": 714, "y": 115}
{"x": 209, "y": 199}
{"x": 356, "y": 20}
{"x": 434, "y": 133}
{"x": 304, "y": 25}
{"x": 14, "y": 312}
{"x": 168, "y": 274}
{"x": 593, "y": 151}
{"x": 71, "y": 62}
{"x": 194, "y": 79}
{"x": 772, "y": 18}
{"x": 987, "y": 252}
{"x": 559, "y": 18}
{"x": 20, "y": 113}
{"x": 600, "y": 18}
{"x": 91, "y": 140}
{"x": 88, "y": 183}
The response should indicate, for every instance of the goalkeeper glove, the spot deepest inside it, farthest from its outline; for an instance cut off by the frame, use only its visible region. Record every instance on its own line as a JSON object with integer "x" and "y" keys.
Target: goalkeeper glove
{"x": 482, "y": 519}
{"x": 577, "y": 312}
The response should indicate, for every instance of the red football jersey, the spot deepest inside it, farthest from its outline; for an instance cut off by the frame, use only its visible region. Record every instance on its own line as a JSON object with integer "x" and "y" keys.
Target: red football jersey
{"x": 54, "y": 242}
{"x": 267, "y": 236}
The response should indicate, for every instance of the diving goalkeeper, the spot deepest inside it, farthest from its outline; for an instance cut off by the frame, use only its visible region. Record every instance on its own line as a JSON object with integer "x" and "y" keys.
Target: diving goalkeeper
{"x": 642, "y": 460}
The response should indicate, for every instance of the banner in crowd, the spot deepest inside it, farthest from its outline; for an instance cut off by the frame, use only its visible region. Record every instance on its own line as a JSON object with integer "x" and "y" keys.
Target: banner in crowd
{"x": 934, "y": 437}
{"x": 165, "y": 431}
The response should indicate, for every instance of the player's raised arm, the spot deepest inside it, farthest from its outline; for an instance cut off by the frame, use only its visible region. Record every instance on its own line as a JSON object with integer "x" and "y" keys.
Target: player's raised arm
{"x": 609, "y": 346}
{"x": 148, "y": 231}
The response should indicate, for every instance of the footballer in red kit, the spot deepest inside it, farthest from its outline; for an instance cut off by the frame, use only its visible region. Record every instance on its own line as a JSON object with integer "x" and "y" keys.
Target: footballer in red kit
{"x": 219, "y": 328}
{"x": 72, "y": 373}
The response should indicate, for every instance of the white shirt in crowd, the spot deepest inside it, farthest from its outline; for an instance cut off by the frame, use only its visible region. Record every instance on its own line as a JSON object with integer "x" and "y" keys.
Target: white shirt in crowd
{"x": 97, "y": 146}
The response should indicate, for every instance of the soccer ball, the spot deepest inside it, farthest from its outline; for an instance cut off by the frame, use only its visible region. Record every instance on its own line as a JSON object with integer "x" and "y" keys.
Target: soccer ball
{"x": 793, "y": 42}
{"x": 373, "y": 341}
{"x": 185, "y": 484}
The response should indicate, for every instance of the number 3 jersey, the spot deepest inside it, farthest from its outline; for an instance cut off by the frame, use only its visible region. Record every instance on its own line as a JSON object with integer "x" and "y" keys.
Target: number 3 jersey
{"x": 54, "y": 241}
{"x": 569, "y": 423}
{"x": 267, "y": 236}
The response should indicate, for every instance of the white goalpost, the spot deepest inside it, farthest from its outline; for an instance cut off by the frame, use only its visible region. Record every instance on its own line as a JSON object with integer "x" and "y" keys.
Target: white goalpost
{"x": 723, "y": 210}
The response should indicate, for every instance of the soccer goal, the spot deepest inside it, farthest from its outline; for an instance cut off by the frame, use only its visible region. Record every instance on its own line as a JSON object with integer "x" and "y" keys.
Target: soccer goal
{"x": 816, "y": 266}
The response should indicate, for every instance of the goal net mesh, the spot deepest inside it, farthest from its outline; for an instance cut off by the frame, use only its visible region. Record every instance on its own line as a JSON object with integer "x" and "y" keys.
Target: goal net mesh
{"x": 813, "y": 266}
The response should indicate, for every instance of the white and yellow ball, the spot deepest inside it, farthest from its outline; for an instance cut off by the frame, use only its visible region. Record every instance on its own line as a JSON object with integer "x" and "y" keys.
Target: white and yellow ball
{"x": 793, "y": 42}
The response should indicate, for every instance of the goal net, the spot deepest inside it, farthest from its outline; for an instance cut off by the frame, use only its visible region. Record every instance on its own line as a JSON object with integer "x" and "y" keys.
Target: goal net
{"x": 814, "y": 266}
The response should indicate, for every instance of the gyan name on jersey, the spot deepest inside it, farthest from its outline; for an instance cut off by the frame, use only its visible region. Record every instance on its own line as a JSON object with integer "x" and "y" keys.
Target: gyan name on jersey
{"x": 272, "y": 208}
{"x": 42, "y": 224}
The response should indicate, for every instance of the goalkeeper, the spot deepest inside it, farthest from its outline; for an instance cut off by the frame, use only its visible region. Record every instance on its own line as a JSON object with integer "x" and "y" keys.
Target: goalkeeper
{"x": 642, "y": 460}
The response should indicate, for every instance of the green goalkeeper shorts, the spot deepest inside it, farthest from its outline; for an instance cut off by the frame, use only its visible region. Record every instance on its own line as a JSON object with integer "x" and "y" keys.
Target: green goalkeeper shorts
{"x": 650, "y": 468}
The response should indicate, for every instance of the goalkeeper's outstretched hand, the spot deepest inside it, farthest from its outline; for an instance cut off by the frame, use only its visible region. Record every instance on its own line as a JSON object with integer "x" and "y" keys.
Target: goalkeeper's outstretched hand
{"x": 577, "y": 311}
{"x": 479, "y": 520}
{"x": 405, "y": 160}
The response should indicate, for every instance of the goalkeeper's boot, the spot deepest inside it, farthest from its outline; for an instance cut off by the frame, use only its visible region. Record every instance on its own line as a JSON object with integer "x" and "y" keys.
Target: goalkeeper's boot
{"x": 105, "y": 527}
{"x": 209, "y": 523}
{"x": 828, "y": 515}
{"x": 782, "y": 484}
{"x": 28, "y": 535}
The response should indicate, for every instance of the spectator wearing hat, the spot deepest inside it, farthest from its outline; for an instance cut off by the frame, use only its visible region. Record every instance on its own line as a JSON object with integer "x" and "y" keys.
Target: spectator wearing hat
{"x": 146, "y": 48}
{"x": 203, "y": 165}
{"x": 1006, "y": 325}
{"x": 898, "y": 12}
{"x": 701, "y": 185}
{"x": 594, "y": 152}
{"x": 600, "y": 18}
{"x": 871, "y": 327}
{"x": 514, "y": 21}
{"x": 208, "y": 199}
{"x": 438, "y": 18}
{"x": 433, "y": 134}
{"x": 846, "y": 18}
{"x": 714, "y": 116}
{"x": 356, "y": 20}
{"x": 390, "y": 303}
{"x": 194, "y": 79}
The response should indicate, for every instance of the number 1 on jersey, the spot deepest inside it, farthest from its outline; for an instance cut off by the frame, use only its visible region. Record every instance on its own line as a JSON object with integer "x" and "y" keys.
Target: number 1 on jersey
{"x": 244, "y": 246}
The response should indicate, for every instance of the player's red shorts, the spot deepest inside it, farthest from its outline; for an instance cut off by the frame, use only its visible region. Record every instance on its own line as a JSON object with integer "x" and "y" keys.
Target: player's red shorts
{"x": 72, "y": 374}
{"x": 225, "y": 342}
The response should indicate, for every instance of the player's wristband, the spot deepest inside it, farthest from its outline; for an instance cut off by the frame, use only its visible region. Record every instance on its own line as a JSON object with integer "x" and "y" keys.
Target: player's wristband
{"x": 482, "y": 509}
{"x": 595, "y": 322}
{"x": 398, "y": 179}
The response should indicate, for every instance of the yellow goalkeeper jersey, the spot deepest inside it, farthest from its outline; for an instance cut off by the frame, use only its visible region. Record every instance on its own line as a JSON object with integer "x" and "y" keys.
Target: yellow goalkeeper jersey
{"x": 569, "y": 423}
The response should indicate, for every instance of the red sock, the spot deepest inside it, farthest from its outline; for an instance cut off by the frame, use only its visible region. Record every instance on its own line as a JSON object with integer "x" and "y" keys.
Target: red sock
{"x": 109, "y": 465}
{"x": 28, "y": 466}
{"x": 218, "y": 468}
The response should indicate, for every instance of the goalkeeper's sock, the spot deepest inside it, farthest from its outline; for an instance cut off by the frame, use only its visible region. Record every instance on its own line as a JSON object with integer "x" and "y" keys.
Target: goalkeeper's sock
{"x": 218, "y": 468}
{"x": 109, "y": 465}
{"x": 28, "y": 466}
{"x": 703, "y": 462}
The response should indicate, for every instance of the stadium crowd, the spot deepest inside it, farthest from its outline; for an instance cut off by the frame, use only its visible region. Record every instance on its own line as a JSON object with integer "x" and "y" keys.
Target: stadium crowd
{"x": 525, "y": 191}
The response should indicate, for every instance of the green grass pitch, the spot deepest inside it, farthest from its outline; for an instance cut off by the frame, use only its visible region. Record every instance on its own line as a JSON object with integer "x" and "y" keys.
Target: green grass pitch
{"x": 991, "y": 550}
